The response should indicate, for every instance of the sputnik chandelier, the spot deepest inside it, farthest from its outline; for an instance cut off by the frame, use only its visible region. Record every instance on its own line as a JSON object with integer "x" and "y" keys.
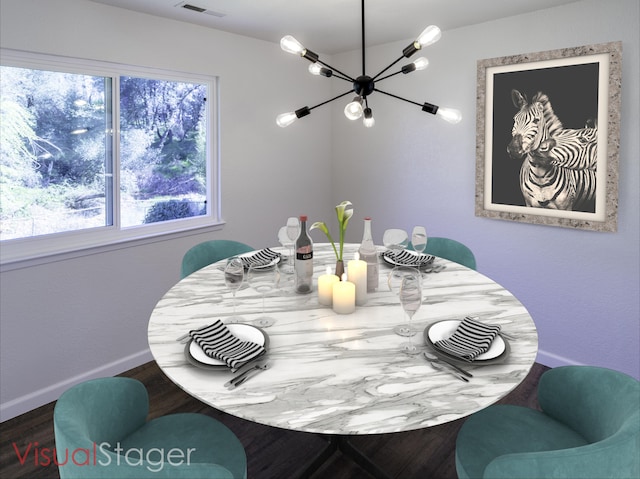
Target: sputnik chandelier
{"x": 364, "y": 85}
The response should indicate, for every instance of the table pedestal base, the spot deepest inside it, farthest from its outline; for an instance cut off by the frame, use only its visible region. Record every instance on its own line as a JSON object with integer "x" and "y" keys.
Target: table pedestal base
{"x": 342, "y": 444}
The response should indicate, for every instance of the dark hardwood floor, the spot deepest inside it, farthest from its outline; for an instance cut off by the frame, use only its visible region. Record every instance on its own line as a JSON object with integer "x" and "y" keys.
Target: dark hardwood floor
{"x": 272, "y": 453}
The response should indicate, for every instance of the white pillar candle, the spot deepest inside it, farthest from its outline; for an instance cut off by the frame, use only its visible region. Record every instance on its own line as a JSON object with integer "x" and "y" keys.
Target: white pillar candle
{"x": 357, "y": 273}
{"x": 344, "y": 296}
{"x": 325, "y": 287}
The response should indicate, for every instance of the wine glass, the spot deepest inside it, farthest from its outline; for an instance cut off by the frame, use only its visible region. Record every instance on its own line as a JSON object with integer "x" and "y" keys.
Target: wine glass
{"x": 395, "y": 239}
{"x": 419, "y": 239}
{"x": 233, "y": 278}
{"x": 286, "y": 266}
{"x": 293, "y": 231}
{"x": 264, "y": 279}
{"x": 411, "y": 299}
{"x": 395, "y": 279}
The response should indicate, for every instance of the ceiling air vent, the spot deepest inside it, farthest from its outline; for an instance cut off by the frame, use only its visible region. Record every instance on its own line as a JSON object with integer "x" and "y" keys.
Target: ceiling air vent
{"x": 195, "y": 8}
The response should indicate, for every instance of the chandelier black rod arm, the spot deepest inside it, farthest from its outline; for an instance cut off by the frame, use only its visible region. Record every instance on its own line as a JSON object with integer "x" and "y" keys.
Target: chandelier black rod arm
{"x": 342, "y": 78}
{"x": 398, "y": 97}
{"x": 332, "y": 99}
{"x": 385, "y": 69}
{"x": 389, "y": 76}
{"x": 336, "y": 70}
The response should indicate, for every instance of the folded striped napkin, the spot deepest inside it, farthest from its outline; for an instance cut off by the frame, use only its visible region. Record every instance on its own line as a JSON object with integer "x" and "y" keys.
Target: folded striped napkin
{"x": 470, "y": 339}
{"x": 259, "y": 258}
{"x": 408, "y": 258}
{"x": 219, "y": 343}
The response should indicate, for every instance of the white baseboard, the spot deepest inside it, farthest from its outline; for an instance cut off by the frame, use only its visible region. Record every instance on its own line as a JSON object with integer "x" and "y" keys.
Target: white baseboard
{"x": 43, "y": 396}
{"x": 554, "y": 360}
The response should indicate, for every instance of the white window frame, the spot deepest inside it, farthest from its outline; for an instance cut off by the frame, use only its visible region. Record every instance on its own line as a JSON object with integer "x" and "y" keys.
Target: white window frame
{"x": 40, "y": 249}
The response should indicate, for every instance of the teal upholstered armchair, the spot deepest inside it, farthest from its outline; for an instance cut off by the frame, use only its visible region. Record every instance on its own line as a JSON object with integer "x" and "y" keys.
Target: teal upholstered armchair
{"x": 452, "y": 250}
{"x": 101, "y": 431}
{"x": 589, "y": 427}
{"x": 203, "y": 254}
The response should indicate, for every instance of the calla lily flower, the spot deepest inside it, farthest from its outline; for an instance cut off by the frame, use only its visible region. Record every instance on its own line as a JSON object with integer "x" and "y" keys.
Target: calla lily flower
{"x": 344, "y": 214}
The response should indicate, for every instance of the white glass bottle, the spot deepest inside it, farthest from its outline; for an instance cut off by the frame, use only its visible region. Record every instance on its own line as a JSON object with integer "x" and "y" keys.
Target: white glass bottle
{"x": 303, "y": 263}
{"x": 369, "y": 254}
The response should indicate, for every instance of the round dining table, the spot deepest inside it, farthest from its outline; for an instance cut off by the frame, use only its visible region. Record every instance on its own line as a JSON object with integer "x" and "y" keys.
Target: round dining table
{"x": 341, "y": 375}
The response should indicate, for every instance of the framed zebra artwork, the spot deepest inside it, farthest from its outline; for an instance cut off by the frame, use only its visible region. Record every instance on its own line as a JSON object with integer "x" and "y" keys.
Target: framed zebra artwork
{"x": 547, "y": 139}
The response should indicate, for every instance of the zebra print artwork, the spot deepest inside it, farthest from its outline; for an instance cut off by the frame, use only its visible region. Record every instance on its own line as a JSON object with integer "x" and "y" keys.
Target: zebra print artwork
{"x": 558, "y": 165}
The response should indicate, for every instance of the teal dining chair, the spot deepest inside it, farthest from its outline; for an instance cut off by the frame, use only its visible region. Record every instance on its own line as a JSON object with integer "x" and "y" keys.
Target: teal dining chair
{"x": 588, "y": 428}
{"x": 101, "y": 431}
{"x": 207, "y": 252}
{"x": 450, "y": 249}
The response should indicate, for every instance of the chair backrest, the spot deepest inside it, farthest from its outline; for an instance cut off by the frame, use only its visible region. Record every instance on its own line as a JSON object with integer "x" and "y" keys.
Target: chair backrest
{"x": 596, "y": 402}
{"x": 95, "y": 412}
{"x": 203, "y": 254}
{"x": 452, "y": 250}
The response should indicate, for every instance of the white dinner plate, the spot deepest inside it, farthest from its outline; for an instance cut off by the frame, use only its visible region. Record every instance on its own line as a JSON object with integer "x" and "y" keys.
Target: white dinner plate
{"x": 246, "y": 332}
{"x": 407, "y": 258}
{"x": 275, "y": 260}
{"x": 445, "y": 329}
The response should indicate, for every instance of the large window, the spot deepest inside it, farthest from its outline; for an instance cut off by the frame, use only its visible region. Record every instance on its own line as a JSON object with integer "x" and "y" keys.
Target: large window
{"x": 94, "y": 153}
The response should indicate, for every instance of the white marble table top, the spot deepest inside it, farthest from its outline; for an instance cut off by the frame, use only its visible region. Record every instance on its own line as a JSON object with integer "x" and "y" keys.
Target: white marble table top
{"x": 345, "y": 374}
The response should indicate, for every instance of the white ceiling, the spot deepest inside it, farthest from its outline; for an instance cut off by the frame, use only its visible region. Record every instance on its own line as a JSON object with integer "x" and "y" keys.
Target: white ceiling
{"x": 333, "y": 26}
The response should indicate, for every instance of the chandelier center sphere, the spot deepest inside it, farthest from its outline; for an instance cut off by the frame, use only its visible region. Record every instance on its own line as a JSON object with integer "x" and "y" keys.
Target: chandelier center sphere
{"x": 363, "y": 85}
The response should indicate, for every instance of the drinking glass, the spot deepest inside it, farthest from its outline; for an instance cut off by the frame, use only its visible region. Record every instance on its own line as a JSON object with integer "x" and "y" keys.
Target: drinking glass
{"x": 233, "y": 278}
{"x": 293, "y": 231}
{"x": 411, "y": 300}
{"x": 395, "y": 279}
{"x": 395, "y": 239}
{"x": 419, "y": 239}
{"x": 264, "y": 279}
{"x": 286, "y": 266}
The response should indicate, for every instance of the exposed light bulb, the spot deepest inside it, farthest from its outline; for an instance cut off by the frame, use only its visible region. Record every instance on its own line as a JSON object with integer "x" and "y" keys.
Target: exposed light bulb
{"x": 421, "y": 63}
{"x": 449, "y": 114}
{"x": 291, "y": 45}
{"x": 429, "y": 36}
{"x": 285, "y": 119}
{"x": 368, "y": 121}
{"x": 315, "y": 68}
{"x": 318, "y": 69}
{"x": 353, "y": 110}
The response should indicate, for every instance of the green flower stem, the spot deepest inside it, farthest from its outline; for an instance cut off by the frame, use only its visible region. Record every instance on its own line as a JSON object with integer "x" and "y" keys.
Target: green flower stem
{"x": 333, "y": 245}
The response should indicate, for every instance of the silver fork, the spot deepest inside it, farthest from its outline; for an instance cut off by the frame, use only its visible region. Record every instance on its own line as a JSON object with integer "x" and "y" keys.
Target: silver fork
{"x": 243, "y": 372}
{"x": 434, "y": 358}
{"x": 247, "y": 376}
{"x": 243, "y": 377}
{"x": 440, "y": 367}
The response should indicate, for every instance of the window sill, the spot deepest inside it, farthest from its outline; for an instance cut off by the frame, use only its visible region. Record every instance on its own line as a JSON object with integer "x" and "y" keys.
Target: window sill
{"x": 51, "y": 257}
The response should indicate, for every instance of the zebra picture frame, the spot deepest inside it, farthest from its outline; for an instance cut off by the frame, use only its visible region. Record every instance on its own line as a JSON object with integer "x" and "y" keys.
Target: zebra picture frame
{"x": 547, "y": 139}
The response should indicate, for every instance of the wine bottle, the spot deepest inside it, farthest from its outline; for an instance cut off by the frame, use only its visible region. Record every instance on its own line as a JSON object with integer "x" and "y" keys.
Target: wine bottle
{"x": 369, "y": 254}
{"x": 303, "y": 263}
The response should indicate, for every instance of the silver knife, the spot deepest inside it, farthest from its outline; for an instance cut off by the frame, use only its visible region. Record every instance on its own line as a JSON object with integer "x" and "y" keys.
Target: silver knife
{"x": 249, "y": 365}
{"x": 436, "y": 357}
{"x": 441, "y": 367}
{"x": 249, "y": 374}
{"x": 260, "y": 363}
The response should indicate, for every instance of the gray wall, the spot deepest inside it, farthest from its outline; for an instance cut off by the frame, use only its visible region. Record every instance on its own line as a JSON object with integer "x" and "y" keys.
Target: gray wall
{"x": 581, "y": 287}
{"x": 83, "y": 316}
